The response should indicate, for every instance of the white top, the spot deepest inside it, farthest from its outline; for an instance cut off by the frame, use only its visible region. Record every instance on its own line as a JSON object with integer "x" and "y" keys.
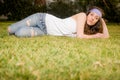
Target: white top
{"x": 60, "y": 27}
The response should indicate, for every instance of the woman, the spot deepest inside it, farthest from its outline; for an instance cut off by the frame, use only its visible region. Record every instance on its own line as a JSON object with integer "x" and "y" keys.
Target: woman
{"x": 81, "y": 25}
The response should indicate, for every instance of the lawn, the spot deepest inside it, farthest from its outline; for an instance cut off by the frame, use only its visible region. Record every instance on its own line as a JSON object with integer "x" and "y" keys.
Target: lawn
{"x": 59, "y": 58}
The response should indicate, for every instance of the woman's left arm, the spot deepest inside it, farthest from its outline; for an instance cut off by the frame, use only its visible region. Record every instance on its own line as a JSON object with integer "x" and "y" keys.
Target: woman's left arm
{"x": 105, "y": 33}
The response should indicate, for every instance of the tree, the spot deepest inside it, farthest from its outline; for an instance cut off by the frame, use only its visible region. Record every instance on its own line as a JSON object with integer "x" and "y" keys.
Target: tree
{"x": 40, "y": 2}
{"x": 18, "y": 9}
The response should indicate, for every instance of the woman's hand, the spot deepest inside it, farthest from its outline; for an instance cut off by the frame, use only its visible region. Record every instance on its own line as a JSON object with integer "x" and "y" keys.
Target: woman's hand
{"x": 99, "y": 35}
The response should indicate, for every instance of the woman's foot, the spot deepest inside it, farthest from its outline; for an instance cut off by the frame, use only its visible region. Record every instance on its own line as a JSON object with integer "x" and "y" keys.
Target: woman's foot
{"x": 9, "y": 32}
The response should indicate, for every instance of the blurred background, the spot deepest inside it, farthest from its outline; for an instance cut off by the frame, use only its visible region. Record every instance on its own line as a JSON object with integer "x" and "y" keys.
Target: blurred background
{"x": 19, "y": 9}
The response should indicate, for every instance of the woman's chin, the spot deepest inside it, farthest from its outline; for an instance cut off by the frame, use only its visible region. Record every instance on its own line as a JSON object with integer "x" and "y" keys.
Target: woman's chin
{"x": 89, "y": 24}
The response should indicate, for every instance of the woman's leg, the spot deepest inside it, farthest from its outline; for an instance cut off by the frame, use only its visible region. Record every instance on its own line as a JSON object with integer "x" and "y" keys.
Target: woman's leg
{"x": 29, "y": 32}
{"x": 29, "y": 21}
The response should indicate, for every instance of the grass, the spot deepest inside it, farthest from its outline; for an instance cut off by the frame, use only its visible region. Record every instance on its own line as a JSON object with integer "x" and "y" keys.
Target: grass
{"x": 59, "y": 58}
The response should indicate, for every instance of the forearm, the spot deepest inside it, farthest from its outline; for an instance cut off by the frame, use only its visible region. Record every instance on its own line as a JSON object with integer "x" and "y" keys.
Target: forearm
{"x": 105, "y": 30}
{"x": 88, "y": 36}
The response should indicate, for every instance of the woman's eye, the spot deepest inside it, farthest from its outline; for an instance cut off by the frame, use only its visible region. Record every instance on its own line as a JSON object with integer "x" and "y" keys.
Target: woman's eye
{"x": 96, "y": 18}
{"x": 91, "y": 14}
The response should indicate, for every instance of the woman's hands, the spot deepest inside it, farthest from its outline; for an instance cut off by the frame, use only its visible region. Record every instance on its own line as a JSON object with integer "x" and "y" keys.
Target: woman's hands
{"x": 97, "y": 35}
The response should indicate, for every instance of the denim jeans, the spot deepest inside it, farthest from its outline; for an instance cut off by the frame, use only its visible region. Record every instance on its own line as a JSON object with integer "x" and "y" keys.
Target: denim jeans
{"x": 33, "y": 25}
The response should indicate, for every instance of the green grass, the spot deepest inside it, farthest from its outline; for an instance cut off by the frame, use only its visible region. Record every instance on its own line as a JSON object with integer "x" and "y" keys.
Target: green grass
{"x": 59, "y": 58}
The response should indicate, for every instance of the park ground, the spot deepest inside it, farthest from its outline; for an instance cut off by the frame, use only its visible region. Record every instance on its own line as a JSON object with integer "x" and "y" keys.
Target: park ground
{"x": 59, "y": 58}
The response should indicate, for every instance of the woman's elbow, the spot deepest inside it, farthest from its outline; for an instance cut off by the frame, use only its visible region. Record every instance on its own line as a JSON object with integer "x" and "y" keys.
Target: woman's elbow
{"x": 106, "y": 36}
{"x": 79, "y": 36}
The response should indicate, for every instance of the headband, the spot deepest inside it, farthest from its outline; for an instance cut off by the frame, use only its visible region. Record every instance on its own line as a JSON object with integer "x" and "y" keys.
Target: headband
{"x": 98, "y": 12}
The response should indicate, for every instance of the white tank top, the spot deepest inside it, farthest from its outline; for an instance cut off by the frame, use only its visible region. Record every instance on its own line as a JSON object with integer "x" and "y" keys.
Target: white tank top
{"x": 60, "y": 27}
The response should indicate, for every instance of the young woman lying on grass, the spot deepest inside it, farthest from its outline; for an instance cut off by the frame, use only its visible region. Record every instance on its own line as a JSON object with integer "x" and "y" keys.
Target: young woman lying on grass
{"x": 81, "y": 25}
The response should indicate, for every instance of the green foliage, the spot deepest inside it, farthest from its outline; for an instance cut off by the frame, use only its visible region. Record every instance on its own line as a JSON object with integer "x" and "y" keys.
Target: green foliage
{"x": 18, "y": 9}
{"x": 111, "y": 9}
{"x": 59, "y": 58}
{"x": 61, "y": 9}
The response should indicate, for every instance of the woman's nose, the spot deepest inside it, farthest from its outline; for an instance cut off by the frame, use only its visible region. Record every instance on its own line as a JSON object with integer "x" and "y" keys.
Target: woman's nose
{"x": 93, "y": 18}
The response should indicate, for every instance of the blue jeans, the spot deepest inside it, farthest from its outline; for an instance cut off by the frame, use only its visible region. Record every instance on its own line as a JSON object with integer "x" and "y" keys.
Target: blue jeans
{"x": 33, "y": 25}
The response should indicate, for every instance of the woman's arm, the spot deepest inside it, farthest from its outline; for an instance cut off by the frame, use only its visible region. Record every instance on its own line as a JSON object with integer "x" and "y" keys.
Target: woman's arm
{"x": 105, "y": 33}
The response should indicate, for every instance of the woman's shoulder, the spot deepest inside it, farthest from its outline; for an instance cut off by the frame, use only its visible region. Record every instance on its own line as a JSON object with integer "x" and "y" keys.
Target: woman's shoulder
{"x": 81, "y": 14}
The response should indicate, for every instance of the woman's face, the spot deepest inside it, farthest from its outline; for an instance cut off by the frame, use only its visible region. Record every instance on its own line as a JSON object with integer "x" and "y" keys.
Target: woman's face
{"x": 92, "y": 18}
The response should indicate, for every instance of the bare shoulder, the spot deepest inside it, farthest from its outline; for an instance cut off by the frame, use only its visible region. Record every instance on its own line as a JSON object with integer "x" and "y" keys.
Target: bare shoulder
{"x": 81, "y": 14}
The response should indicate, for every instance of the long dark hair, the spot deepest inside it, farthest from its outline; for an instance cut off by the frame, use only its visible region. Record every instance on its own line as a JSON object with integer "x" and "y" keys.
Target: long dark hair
{"x": 97, "y": 28}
